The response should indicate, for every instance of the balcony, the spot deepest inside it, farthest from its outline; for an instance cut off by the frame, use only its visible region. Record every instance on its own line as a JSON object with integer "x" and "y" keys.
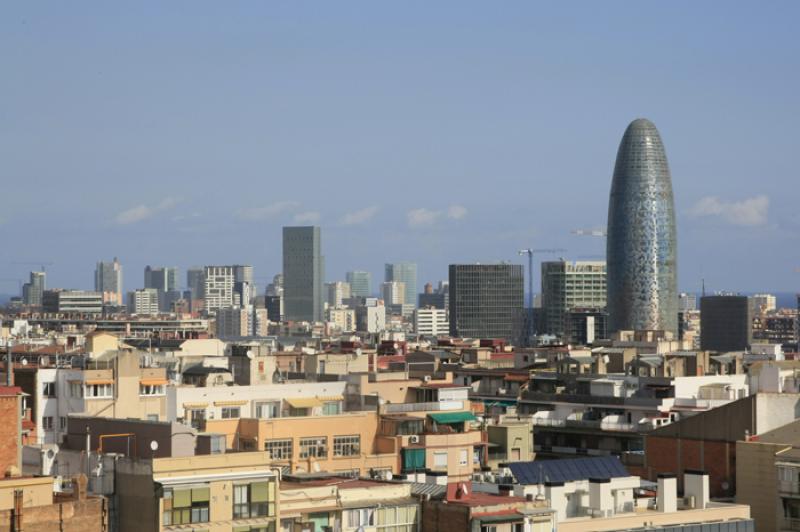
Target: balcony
{"x": 789, "y": 487}
{"x": 790, "y": 523}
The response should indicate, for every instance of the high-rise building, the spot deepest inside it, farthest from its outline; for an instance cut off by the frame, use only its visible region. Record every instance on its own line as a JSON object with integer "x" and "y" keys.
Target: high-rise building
{"x": 218, "y": 288}
{"x": 234, "y": 321}
{"x": 72, "y": 301}
{"x": 393, "y": 293}
{"x": 360, "y": 283}
{"x": 687, "y": 302}
{"x": 303, "y": 274}
{"x": 570, "y": 285}
{"x": 33, "y": 290}
{"x": 165, "y": 282}
{"x": 762, "y": 303}
{"x": 404, "y": 272}
{"x": 108, "y": 281}
{"x": 642, "y": 244}
{"x": 726, "y": 323}
{"x": 144, "y": 301}
{"x": 486, "y": 301}
{"x": 336, "y": 292}
{"x": 196, "y": 282}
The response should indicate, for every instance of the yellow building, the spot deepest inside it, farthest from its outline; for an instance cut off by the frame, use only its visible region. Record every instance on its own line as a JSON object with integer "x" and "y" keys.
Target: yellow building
{"x": 235, "y": 492}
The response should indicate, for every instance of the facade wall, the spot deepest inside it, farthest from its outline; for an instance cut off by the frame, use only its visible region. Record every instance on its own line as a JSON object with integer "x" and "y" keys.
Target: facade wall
{"x": 757, "y": 483}
{"x": 10, "y": 451}
{"x": 675, "y": 455}
{"x": 87, "y": 515}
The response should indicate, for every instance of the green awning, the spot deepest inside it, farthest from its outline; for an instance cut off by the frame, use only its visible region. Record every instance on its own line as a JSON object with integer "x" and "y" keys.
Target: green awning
{"x": 452, "y": 417}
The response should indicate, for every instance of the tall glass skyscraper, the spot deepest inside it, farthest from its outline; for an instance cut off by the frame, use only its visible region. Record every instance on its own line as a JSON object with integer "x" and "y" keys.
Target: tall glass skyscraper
{"x": 303, "y": 274}
{"x": 642, "y": 246}
{"x": 404, "y": 272}
{"x": 360, "y": 283}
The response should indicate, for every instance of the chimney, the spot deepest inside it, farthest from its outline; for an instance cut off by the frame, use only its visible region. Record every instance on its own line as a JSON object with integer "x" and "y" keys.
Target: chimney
{"x": 667, "y": 496}
{"x": 554, "y": 492}
{"x": 695, "y": 484}
{"x": 600, "y": 499}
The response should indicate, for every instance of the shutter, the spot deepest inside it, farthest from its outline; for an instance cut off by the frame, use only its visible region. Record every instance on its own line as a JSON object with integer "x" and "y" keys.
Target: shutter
{"x": 259, "y": 492}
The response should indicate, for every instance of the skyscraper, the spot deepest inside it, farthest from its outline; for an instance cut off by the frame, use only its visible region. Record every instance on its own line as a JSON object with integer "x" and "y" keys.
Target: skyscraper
{"x": 165, "y": 282}
{"x": 486, "y": 301}
{"x": 303, "y": 274}
{"x": 641, "y": 246}
{"x": 404, "y": 272}
{"x": 33, "y": 290}
{"x": 108, "y": 281}
{"x": 360, "y": 283}
{"x": 726, "y": 323}
{"x": 195, "y": 282}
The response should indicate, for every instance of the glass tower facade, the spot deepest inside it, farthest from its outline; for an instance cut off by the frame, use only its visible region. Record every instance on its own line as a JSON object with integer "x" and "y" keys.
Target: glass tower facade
{"x": 486, "y": 301}
{"x": 303, "y": 274}
{"x": 404, "y": 272}
{"x": 641, "y": 246}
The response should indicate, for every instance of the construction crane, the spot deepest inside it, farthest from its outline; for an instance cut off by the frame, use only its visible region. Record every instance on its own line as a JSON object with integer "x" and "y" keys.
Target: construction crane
{"x": 530, "y": 253}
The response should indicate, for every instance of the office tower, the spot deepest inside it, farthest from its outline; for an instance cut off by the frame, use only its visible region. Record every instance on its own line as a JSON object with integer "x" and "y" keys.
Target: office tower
{"x": 641, "y": 245}
{"x": 584, "y": 326}
{"x": 303, "y": 274}
{"x": 434, "y": 300}
{"x": 726, "y": 323}
{"x": 196, "y": 282}
{"x": 72, "y": 301}
{"x": 143, "y": 301}
{"x": 165, "y": 282}
{"x": 393, "y": 293}
{"x": 234, "y": 321}
{"x": 218, "y": 288}
{"x": 243, "y": 293}
{"x": 687, "y": 302}
{"x": 336, "y": 292}
{"x": 404, "y": 272}
{"x": 108, "y": 281}
{"x": 567, "y": 286}
{"x": 275, "y": 288}
{"x": 762, "y": 303}
{"x": 360, "y": 283}
{"x": 274, "y": 306}
{"x": 486, "y": 301}
{"x": 33, "y": 290}
{"x": 431, "y": 321}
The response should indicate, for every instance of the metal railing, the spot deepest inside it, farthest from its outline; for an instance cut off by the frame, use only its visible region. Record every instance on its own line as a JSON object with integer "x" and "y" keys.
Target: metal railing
{"x": 397, "y": 408}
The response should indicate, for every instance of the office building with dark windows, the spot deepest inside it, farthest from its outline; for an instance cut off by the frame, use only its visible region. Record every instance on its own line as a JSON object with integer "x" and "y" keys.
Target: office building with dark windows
{"x": 486, "y": 301}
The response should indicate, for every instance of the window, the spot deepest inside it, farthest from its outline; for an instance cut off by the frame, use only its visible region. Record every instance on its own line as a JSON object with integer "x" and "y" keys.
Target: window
{"x": 47, "y": 422}
{"x": 185, "y": 506}
{"x": 254, "y": 500}
{"x": 151, "y": 389}
{"x": 62, "y": 423}
{"x": 488, "y": 528}
{"x": 360, "y": 517}
{"x": 279, "y": 449}
{"x": 268, "y": 410}
{"x": 346, "y": 445}
{"x": 75, "y": 389}
{"x": 350, "y": 473}
{"x": 230, "y": 412}
{"x": 197, "y": 419}
{"x": 152, "y": 417}
{"x": 440, "y": 460}
{"x": 99, "y": 390}
{"x": 331, "y": 408}
{"x": 316, "y": 447}
{"x": 49, "y": 389}
{"x": 462, "y": 457}
{"x": 400, "y": 518}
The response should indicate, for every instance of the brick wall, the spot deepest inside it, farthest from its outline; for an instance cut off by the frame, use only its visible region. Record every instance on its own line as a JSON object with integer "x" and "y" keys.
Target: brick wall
{"x": 87, "y": 515}
{"x": 9, "y": 433}
{"x": 675, "y": 455}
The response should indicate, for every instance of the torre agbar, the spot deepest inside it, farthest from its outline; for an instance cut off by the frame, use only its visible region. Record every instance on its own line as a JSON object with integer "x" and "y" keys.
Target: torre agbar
{"x": 641, "y": 247}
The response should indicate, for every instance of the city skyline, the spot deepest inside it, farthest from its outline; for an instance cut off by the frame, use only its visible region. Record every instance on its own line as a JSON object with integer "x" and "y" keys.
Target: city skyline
{"x": 478, "y": 181}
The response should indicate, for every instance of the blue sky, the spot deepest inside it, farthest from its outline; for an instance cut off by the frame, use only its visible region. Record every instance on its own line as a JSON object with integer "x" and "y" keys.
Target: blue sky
{"x": 188, "y": 133}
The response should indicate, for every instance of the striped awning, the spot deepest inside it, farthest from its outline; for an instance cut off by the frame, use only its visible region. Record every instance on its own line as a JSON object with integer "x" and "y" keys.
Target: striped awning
{"x": 330, "y": 398}
{"x": 230, "y": 403}
{"x": 99, "y": 381}
{"x": 303, "y": 402}
{"x": 194, "y": 405}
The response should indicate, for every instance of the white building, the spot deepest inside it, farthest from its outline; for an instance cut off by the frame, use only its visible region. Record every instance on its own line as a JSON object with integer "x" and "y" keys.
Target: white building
{"x": 219, "y": 282}
{"x": 337, "y": 292}
{"x": 431, "y": 321}
{"x": 371, "y": 318}
{"x": 143, "y": 301}
{"x": 343, "y": 318}
{"x": 761, "y": 303}
{"x": 393, "y": 293}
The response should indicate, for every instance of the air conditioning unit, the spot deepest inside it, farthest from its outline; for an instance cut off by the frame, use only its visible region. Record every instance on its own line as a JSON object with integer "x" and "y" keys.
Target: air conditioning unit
{"x": 413, "y": 439}
{"x": 426, "y": 378}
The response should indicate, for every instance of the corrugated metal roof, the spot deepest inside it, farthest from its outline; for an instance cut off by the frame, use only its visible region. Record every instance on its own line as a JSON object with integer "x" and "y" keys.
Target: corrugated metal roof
{"x": 568, "y": 470}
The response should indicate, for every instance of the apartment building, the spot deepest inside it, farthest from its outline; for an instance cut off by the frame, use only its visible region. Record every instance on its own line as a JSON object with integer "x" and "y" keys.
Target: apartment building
{"x": 431, "y": 321}
{"x": 235, "y": 491}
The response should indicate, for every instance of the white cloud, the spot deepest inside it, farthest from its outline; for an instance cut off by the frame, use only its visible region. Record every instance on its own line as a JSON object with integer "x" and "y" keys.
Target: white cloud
{"x": 143, "y": 212}
{"x": 308, "y": 217}
{"x": 265, "y": 212}
{"x": 748, "y": 212}
{"x": 456, "y": 212}
{"x": 360, "y": 216}
{"x": 422, "y": 217}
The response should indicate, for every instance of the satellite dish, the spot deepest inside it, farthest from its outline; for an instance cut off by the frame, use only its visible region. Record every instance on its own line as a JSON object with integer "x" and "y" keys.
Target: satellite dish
{"x": 24, "y": 361}
{"x": 250, "y": 354}
{"x": 154, "y": 445}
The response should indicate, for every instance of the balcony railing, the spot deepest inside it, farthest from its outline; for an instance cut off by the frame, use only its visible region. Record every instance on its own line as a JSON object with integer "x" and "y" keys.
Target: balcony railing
{"x": 789, "y": 486}
{"x": 399, "y": 408}
{"x": 790, "y": 523}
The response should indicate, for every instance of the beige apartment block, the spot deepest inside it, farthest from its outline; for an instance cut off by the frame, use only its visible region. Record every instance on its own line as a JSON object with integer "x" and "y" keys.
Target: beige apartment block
{"x": 217, "y": 493}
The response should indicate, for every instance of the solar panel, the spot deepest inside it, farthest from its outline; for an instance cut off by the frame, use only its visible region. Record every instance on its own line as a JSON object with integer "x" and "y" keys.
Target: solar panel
{"x": 567, "y": 470}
